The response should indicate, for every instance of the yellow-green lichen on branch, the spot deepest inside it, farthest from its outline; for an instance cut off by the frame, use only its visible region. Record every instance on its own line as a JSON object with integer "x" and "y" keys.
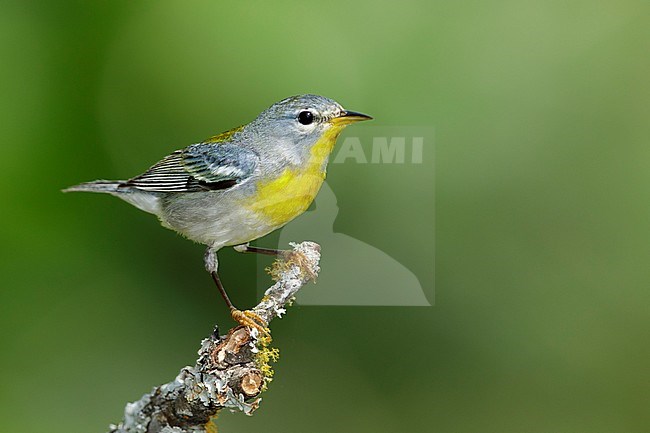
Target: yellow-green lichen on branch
{"x": 264, "y": 357}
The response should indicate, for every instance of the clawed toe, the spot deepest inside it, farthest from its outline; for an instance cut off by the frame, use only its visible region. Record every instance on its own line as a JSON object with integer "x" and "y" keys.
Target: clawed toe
{"x": 252, "y": 320}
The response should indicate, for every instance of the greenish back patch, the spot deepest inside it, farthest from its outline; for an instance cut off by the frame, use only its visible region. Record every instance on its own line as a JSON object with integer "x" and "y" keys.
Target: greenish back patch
{"x": 224, "y": 136}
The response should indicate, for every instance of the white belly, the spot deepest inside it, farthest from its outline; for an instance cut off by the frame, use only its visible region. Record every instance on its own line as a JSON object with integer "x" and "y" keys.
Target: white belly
{"x": 213, "y": 218}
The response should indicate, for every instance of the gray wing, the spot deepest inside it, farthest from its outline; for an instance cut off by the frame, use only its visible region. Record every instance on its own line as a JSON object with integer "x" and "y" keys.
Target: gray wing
{"x": 200, "y": 167}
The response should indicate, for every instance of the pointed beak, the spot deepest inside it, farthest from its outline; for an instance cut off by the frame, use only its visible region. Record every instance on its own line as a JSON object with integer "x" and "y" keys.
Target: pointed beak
{"x": 346, "y": 117}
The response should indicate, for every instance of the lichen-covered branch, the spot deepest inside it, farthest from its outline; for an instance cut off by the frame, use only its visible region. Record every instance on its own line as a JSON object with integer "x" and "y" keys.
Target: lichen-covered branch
{"x": 231, "y": 371}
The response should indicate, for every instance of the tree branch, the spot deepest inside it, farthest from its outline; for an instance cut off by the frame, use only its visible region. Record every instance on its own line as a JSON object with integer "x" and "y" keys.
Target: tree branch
{"x": 231, "y": 371}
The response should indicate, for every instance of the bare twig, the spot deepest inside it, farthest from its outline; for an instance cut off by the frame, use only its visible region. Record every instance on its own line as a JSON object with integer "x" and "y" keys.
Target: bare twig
{"x": 231, "y": 371}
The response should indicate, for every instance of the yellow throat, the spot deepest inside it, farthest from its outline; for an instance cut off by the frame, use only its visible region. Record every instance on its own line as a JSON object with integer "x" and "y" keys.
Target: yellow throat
{"x": 285, "y": 197}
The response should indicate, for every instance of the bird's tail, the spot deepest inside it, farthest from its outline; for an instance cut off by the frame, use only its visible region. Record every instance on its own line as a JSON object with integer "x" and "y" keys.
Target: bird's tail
{"x": 106, "y": 186}
{"x": 147, "y": 201}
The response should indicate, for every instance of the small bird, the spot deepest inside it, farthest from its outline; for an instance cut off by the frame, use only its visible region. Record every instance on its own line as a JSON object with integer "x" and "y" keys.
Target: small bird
{"x": 242, "y": 184}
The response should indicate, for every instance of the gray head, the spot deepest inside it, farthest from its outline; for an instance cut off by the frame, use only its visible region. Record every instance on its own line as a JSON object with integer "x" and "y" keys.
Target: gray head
{"x": 303, "y": 119}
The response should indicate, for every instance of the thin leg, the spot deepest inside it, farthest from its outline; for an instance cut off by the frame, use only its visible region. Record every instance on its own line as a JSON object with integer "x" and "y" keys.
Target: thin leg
{"x": 245, "y": 248}
{"x": 284, "y": 255}
{"x": 217, "y": 281}
{"x": 246, "y": 318}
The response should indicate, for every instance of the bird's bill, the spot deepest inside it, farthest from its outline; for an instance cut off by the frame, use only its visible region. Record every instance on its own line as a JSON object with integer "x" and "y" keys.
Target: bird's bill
{"x": 347, "y": 117}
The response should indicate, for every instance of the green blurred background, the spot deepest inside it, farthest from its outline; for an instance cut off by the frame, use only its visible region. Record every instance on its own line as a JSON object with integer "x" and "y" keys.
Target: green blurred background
{"x": 541, "y": 111}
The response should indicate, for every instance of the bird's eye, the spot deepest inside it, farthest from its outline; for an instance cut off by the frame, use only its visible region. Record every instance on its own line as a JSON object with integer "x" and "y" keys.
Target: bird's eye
{"x": 305, "y": 117}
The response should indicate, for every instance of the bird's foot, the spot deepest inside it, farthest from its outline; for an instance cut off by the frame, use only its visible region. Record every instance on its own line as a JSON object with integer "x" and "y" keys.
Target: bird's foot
{"x": 252, "y": 320}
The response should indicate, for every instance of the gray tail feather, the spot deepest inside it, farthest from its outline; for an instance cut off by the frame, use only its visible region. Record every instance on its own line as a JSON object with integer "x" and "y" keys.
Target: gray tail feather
{"x": 107, "y": 186}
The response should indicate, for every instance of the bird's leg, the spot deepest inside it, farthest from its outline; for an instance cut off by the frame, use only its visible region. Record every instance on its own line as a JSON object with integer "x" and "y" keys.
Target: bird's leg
{"x": 246, "y": 248}
{"x": 247, "y": 318}
{"x": 288, "y": 256}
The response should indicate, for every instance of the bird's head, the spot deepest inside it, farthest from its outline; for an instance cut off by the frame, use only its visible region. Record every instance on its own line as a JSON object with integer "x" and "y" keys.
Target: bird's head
{"x": 303, "y": 121}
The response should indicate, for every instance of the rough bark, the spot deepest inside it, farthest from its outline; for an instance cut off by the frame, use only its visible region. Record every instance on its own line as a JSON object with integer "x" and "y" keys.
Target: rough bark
{"x": 231, "y": 371}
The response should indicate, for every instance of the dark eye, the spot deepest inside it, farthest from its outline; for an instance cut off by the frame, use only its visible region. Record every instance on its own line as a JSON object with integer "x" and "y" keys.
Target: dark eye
{"x": 306, "y": 117}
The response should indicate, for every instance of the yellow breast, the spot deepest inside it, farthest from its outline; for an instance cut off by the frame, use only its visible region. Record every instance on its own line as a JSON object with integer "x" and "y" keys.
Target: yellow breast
{"x": 285, "y": 197}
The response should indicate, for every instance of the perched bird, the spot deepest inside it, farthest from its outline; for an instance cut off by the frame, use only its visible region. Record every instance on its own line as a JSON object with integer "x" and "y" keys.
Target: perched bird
{"x": 242, "y": 184}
